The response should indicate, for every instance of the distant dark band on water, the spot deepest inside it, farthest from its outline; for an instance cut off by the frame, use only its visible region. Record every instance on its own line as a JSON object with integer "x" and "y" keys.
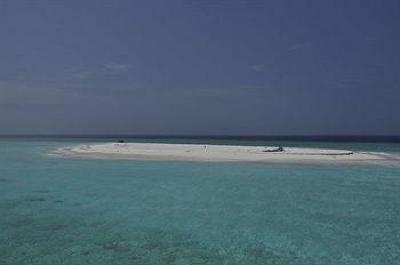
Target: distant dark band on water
{"x": 310, "y": 138}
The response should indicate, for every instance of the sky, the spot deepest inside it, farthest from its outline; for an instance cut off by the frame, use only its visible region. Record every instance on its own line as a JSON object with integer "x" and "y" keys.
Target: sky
{"x": 222, "y": 67}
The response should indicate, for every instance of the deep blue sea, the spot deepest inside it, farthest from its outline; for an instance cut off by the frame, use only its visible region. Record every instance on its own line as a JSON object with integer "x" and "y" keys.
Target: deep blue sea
{"x": 86, "y": 211}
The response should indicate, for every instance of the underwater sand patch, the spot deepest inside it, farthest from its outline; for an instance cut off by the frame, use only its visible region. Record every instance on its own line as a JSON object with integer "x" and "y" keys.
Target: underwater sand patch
{"x": 41, "y": 191}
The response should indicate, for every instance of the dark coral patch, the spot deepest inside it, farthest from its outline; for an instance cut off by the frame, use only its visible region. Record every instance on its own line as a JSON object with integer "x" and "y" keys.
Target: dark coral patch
{"x": 35, "y": 199}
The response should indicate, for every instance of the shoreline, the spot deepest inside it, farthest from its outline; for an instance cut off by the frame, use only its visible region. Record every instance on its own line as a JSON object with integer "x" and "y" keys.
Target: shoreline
{"x": 225, "y": 153}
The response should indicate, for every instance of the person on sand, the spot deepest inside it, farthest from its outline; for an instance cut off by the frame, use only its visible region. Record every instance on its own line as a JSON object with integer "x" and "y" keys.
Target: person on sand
{"x": 205, "y": 148}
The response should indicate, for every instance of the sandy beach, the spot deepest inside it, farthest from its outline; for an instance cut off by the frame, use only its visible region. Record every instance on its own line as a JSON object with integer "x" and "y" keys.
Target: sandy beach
{"x": 224, "y": 153}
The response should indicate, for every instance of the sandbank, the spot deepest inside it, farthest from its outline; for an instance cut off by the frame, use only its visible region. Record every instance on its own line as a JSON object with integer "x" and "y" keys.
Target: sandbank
{"x": 225, "y": 153}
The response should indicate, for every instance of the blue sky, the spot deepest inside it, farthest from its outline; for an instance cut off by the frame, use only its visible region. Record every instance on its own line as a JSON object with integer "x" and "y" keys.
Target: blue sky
{"x": 200, "y": 67}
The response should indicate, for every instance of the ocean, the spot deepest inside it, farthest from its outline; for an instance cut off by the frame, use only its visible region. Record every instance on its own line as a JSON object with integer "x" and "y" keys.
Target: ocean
{"x": 57, "y": 210}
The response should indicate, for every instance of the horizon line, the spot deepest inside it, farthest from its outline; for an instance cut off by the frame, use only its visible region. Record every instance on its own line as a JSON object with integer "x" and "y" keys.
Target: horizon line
{"x": 320, "y": 137}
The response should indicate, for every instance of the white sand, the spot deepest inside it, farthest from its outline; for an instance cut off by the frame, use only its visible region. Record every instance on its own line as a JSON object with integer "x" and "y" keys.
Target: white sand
{"x": 196, "y": 152}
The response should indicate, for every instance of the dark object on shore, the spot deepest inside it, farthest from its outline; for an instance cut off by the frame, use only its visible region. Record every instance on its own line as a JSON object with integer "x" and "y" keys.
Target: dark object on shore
{"x": 273, "y": 149}
{"x": 120, "y": 141}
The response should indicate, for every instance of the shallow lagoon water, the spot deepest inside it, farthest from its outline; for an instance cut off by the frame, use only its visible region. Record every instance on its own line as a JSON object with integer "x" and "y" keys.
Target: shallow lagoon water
{"x": 78, "y": 211}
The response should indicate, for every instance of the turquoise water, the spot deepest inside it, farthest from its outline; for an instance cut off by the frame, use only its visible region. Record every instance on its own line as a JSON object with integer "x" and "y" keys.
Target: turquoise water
{"x": 76, "y": 211}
